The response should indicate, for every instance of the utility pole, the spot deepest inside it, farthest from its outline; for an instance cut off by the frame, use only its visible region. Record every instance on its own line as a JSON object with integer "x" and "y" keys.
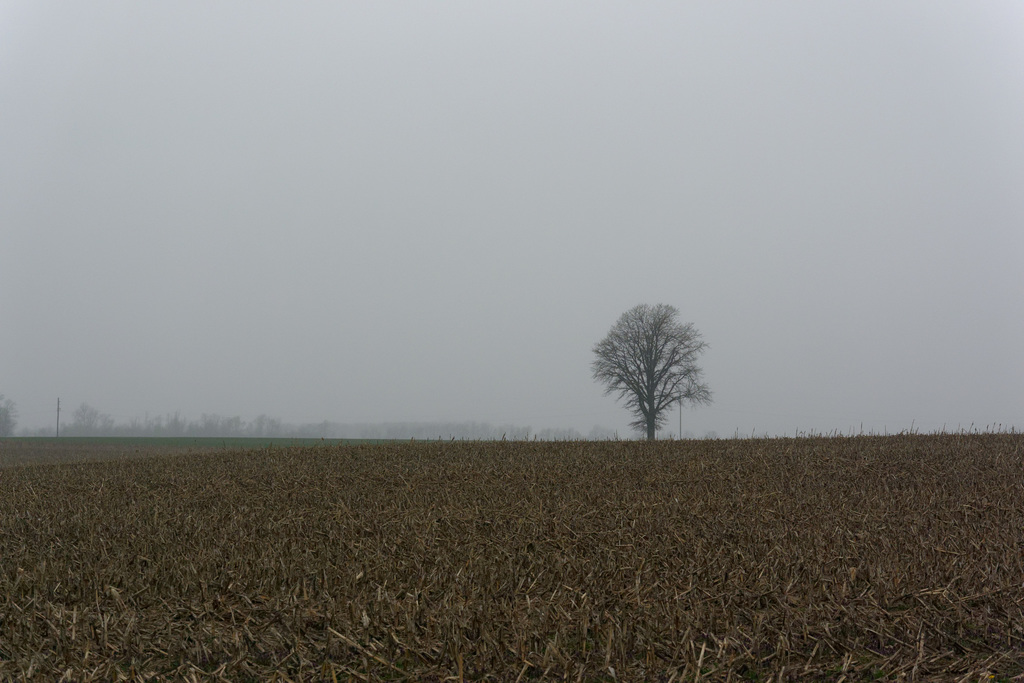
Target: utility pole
{"x": 58, "y": 417}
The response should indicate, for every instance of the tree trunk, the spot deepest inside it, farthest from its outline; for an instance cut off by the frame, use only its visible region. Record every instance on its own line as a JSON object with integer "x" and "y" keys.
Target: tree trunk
{"x": 650, "y": 426}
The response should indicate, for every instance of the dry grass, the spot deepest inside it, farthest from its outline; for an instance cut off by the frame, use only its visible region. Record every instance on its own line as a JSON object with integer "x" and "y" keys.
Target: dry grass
{"x": 814, "y": 559}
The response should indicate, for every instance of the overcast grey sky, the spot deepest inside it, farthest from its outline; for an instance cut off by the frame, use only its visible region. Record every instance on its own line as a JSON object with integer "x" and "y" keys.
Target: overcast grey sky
{"x": 433, "y": 211}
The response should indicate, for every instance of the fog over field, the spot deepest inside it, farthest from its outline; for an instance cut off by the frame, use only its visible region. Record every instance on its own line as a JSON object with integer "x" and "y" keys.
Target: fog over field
{"x": 371, "y": 212}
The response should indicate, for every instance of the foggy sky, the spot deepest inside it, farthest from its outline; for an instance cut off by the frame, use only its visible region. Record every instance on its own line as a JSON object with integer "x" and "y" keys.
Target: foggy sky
{"x": 365, "y": 212}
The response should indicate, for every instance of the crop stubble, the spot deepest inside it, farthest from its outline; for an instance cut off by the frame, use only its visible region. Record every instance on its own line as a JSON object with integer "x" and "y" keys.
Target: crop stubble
{"x": 782, "y": 559}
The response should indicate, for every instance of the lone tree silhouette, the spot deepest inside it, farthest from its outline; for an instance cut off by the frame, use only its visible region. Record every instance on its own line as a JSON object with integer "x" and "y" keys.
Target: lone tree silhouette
{"x": 649, "y": 359}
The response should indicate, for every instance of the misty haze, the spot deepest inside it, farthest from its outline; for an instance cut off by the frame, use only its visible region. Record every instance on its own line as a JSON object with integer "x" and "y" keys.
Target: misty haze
{"x": 406, "y": 219}
{"x": 517, "y": 341}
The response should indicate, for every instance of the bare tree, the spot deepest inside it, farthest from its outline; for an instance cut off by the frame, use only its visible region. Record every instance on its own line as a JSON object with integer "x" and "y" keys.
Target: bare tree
{"x": 649, "y": 359}
{"x": 88, "y": 421}
{"x": 8, "y": 416}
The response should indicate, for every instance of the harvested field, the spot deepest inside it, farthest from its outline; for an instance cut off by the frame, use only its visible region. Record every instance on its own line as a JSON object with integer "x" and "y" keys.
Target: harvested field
{"x": 52, "y": 451}
{"x": 835, "y": 559}
{"x": 44, "y": 451}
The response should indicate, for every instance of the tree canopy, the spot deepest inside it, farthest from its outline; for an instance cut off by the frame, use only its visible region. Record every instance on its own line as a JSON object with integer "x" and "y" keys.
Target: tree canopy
{"x": 649, "y": 359}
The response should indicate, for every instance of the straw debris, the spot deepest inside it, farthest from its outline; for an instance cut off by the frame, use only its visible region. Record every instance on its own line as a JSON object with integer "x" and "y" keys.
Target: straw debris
{"x": 898, "y": 557}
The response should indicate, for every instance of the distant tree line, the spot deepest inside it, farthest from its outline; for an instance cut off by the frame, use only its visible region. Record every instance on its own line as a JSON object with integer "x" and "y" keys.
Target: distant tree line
{"x": 89, "y": 421}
